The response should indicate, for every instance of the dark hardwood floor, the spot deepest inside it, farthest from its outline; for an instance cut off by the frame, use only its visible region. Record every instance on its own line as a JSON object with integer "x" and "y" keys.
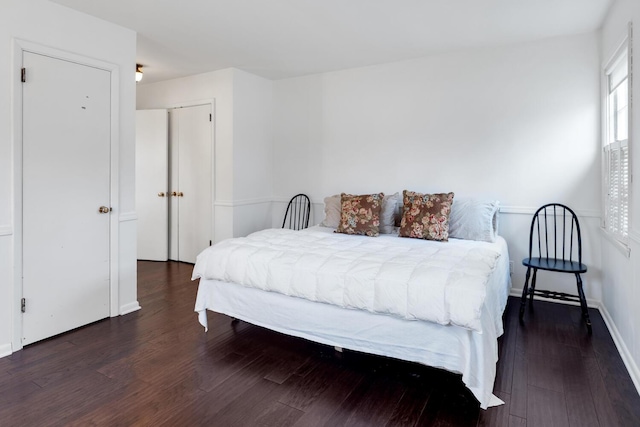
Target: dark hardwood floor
{"x": 158, "y": 367}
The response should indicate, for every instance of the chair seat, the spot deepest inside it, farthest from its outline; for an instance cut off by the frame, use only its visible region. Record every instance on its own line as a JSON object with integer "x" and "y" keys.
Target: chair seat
{"x": 552, "y": 264}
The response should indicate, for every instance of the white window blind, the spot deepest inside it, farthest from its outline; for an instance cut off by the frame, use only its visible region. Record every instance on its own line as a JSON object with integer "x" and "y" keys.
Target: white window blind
{"x": 616, "y": 143}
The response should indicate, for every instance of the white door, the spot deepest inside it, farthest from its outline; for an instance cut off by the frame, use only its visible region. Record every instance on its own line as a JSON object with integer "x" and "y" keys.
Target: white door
{"x": 191, "y": 181}
{"x": 66, "y": 179}
{"x": 152, "y": 180}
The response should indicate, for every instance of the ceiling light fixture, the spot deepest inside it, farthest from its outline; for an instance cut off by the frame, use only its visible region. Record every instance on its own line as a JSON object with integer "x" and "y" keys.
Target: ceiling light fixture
{"x": 138, "y": 72}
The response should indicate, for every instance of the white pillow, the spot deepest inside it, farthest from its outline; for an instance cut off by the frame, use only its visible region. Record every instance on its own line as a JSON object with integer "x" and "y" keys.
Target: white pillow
{"x": 332, "y": 211}
{"x": 473, "y": 219}
{"x": 389, "y": 213}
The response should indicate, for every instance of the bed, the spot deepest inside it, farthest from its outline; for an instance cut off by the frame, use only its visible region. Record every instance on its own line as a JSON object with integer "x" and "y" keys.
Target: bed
{"x": 369, "y": 294}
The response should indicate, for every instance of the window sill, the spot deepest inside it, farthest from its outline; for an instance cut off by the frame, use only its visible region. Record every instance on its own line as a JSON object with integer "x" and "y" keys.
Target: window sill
{"x": 622, "y": 247}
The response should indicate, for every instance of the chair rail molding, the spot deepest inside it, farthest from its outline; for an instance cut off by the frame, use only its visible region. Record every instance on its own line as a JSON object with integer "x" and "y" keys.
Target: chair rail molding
{"x": 504, "y": 209}
{"x": 243, "y": 202}
{"x": 285, "y": 200}
{"x": 527, "y": 210}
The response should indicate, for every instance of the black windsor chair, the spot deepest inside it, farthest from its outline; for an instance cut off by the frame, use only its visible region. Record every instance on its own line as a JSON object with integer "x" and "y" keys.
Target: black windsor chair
{"x": 556, "y": 231}
{"x": 297, "y": 215}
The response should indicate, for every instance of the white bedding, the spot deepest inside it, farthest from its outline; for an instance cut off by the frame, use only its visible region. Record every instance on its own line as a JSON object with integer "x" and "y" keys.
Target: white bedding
{"x": 456, "y": 349}
{"x": 441, "y": 282}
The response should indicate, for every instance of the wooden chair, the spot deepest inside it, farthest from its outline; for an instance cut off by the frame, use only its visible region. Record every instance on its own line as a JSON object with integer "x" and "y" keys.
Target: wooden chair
{"x": 555, "y": 244}
{"x": 297, "y": 215}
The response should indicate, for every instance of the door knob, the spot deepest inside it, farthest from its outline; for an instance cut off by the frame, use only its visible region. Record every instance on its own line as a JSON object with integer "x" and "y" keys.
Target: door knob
{"x": 180, "y": 194}
{"x": 104, "y": 209}
{"x": 161, "y": 194}
{"x": 174, "y": 193}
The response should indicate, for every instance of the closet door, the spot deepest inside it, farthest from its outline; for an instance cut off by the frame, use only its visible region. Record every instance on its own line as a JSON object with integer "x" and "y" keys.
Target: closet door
{"x": 191, "y": 181}
{"x": 152, "y": 180}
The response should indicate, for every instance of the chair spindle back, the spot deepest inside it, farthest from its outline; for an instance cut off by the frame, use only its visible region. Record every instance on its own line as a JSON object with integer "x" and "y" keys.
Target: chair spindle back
{"x": 298, "y": 211}
{"x": 556, "y": 230}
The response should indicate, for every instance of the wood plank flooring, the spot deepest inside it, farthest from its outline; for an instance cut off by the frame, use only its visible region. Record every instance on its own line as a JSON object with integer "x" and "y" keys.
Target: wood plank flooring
{"x": 158, "y": 367}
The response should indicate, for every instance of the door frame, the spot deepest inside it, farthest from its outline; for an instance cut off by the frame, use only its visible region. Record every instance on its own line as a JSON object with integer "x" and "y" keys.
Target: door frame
{"x": 19, "y": 47}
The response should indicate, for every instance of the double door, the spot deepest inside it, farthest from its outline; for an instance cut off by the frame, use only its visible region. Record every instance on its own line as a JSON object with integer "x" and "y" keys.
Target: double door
{"x": 174, "y": 183}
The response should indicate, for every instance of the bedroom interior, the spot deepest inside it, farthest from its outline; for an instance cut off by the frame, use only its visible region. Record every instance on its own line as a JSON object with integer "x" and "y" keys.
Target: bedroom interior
{"x": 518, "y": 119}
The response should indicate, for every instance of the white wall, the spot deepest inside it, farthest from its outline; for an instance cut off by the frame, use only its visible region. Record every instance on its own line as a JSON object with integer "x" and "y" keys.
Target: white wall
{"x": 298, "y": 144}
{"x": 243, "y": 142}
{"x": 252, "y": 152}
{"x": 52, "y": 25}
{"x": 519, "y": 124}
{"x": 621, "y": 274}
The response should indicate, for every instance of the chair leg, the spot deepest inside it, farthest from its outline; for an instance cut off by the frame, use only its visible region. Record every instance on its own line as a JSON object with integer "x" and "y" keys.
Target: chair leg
{"x": 533, "y": 287}
{"x": 525, "y": 290}
{"x": 583, "y": 302}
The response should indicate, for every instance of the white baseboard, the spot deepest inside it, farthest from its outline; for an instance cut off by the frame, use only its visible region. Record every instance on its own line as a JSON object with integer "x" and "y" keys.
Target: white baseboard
{"x": 624, "y": 352}
{"x": 5, "y": 350}
{"x": 129, "y": 308}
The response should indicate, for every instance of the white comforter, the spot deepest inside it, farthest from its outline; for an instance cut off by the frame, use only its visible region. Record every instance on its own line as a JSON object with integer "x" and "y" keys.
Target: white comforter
{"x": 442, "y": 282}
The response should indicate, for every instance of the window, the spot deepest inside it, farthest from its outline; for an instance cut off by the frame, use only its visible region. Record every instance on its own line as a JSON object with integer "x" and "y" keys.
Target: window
{"x": 616, "y": 143}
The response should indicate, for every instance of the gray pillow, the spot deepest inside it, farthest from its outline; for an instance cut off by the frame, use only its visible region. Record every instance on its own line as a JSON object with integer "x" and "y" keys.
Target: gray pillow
{"x": 473, "y": 219}
{"x": 332, "y": 211}
{"x": 389, "y": 213}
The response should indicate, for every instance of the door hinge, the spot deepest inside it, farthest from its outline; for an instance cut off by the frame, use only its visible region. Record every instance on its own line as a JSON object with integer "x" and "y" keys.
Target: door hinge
{"x": 23, "y": 305}
{"x": 23, "y": 75}
{"x": 209, "y": 113}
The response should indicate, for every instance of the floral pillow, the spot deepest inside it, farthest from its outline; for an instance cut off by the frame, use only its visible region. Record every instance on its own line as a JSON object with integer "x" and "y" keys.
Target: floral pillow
{"x": 426, "y": 216}
{"x": 360, "y": 214}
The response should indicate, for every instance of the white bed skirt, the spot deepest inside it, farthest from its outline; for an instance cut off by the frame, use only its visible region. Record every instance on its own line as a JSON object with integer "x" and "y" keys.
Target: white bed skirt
{"x": 453, "y": 348}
